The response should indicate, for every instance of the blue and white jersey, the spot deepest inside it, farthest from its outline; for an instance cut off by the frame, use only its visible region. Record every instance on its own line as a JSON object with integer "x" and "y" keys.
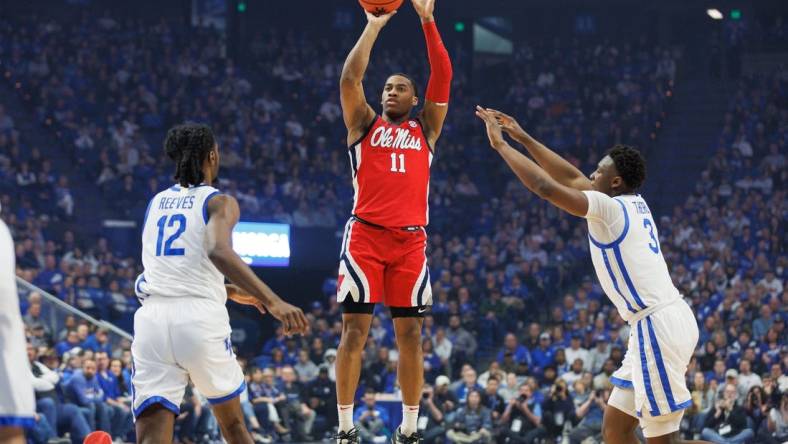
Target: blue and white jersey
{"x": 626, "y": 254}
{"x": 174, "y": 247}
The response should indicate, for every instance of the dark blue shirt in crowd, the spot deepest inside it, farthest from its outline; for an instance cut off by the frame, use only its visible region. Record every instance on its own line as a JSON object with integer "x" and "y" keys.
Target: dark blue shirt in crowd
{"x": 82, "y": 391}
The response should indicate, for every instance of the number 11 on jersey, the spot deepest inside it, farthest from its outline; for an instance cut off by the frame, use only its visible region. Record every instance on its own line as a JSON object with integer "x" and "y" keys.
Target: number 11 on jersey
{"x": 394, "y": 168}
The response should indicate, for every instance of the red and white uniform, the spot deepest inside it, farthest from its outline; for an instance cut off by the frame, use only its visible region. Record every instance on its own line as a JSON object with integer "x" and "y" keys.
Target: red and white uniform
{"x": 383, "y": 250}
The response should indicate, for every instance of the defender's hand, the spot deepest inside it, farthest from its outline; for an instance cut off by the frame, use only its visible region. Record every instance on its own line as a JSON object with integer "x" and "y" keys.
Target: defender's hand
{"x": 424, "y": 9}
{"x": 291, "y": 317}
{"x": 494, "y": 133}
{"x": 379, "y": 21}
{"x": 508, "y": 123}
{"x": 235, "y": 293}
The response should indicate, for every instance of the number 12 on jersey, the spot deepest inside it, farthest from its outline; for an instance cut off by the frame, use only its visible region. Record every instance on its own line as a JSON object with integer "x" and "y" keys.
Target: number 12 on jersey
{"x": 394, "y": 168}
{"x": 180, "y": 219}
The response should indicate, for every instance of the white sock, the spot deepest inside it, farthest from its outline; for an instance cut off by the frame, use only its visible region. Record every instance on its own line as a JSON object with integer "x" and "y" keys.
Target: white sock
{"x": 345, "y": 417}
{"x": 410, "y": 417}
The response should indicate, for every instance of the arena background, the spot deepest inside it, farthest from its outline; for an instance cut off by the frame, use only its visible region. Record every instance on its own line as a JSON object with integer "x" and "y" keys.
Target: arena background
{"x": 89, "y": 88}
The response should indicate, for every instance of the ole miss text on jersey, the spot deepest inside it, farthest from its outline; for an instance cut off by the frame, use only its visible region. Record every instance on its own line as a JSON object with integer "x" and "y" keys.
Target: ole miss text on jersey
{"x": 391, "y": 174}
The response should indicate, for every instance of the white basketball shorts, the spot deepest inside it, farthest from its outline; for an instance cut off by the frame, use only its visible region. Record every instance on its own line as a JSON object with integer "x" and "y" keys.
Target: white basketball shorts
{"x": 17, "y": 402}
{"x": 177, "y": 339}
{"x": 651, "y": 383}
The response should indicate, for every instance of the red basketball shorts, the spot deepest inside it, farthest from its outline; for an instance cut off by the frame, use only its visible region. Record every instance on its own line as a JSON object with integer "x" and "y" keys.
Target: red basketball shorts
{"x": 387, "y": 265}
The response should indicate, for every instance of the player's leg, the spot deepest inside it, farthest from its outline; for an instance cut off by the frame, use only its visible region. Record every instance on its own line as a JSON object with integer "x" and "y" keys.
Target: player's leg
{"x": 620, "y": 418}
{"x": 408, "y": 293}
{"x": 155, "y": 425}
{"x": 203, "y": 347}
{"x": 618, "y": 426}
{"x": 158, "y": 383}
{"x": 12, "y": 435}
{"x": 410, "y": 369}
{"x": 356, "y": 321}
{"x": 231, "y": 420}
{"x": 359, "y": 287}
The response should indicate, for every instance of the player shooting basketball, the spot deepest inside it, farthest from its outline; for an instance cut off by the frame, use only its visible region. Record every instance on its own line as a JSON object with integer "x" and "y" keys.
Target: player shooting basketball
{"x": 383, "y": 251}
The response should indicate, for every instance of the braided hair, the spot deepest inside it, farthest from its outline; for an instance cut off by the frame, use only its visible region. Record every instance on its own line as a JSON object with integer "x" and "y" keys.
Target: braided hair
{"x": 188, "y": 145}
{"x": 630, "y": 164}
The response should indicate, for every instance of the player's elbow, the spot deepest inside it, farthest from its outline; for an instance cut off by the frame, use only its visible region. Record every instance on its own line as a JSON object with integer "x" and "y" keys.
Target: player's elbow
{"x": 220, "y": 255}
{"x": 349, "y": 79}
{"x": 543, "y": 188}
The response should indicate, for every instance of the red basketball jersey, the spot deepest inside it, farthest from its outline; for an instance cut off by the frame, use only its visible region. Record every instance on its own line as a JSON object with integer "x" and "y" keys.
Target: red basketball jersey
{"x": 391, "y": 174}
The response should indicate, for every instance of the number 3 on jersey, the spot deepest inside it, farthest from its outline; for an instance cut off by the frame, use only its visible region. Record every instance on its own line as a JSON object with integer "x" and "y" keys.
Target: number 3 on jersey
{"x": 650, "y": 227}
{"x": 394, "y": 168}
{"x": 180, "y": 219}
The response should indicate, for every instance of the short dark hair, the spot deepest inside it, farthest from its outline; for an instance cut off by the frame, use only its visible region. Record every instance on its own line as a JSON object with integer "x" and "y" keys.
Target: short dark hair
{"x": 410, "y": 79}
{"x": 188, "y": 145}
{"x": 630, "y": 164}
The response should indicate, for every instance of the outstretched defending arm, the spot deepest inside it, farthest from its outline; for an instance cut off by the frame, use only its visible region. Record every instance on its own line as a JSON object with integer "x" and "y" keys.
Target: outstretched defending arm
{"x": 556, "y": 166}
{"x": 530, "y": 174}
{"x": 224, "y": 214}
{"x": 355, "y": 109}
{"x": 436, "y": 103}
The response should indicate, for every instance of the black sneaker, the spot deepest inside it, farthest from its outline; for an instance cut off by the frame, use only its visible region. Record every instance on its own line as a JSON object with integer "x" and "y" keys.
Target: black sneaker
{"x": 399, "y": 438}
{"x": 349, "y": 437}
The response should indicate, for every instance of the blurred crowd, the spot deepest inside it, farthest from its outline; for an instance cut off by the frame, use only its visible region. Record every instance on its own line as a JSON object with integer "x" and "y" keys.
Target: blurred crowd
{"x": 520, "y": 342}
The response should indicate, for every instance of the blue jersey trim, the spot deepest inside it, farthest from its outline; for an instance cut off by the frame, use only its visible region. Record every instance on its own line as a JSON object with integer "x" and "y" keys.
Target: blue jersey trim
{"x": 140, "y": 280}
{"x": 621, "y": 383}
{"x": 175, "y": 188}
{"x": 25, "y": 422}
{"x": 147, "y": 211}
{"x": 663, "y": 374}
{"x": 615, "y": 281}
{"x": 232, "y": 395}
{"x": 627, "y": 279}
{"x": 157, "y": 400}
{"x": 652, "y": 400}
{"x": 205, "y": 205}
{"x": 684, "y": 405}
{"x": 623, "y": 233}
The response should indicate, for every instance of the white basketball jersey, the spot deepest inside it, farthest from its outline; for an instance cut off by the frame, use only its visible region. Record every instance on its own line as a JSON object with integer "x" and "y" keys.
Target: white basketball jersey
{"x": 626, "y": 253}
{"x": 174, "y": 247}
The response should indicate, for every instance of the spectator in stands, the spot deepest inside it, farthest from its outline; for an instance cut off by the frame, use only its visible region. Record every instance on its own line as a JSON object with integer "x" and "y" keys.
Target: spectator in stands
{"x": 296, "y": 415}
{"x": 72, "y": 341}
{"x": 575, "y": 372}
{"x": 471, "y": 423}
{"x": 576, "y": 351}
{"x": 371, "y": 420}
{"x": 445, "y": 398}
{"x": 84, "y": 390}
{"x": 747, "y": 379}
{"x": 522, "y": 419}
{"x": 320, "y": 395}
{"x": 777, "y": 424}
{"x": 120, "y": 412}
{"x": 511, "y": 347}
{"x": 463, "y": 343}
{"x": 492, "y": 400}
{"x": 467, "y": 385}
{"x": 727, "y": 423}
{"x": 60, "y": 415}
{"x": 589, "y": 413}
{"x": 703, "y": 398}
{"x": 431, "y": 418}
{"x": 306, "y": 369}
{"x": 557, "y": 409}
{"x": 598, "y": 355}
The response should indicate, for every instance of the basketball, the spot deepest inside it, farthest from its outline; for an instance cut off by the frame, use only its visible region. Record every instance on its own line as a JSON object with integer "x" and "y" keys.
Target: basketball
{"x": 380, "y": 7}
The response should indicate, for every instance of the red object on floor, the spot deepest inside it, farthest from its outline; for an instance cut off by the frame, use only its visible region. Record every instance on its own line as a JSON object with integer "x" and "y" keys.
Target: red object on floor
{"x": 98, "y": 438}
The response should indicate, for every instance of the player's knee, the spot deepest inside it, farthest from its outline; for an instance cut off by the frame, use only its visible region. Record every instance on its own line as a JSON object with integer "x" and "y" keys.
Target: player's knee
{"x": 615, "y": 432}
{"x": 353, "y": 338}
{"x": 409, "y": 336}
